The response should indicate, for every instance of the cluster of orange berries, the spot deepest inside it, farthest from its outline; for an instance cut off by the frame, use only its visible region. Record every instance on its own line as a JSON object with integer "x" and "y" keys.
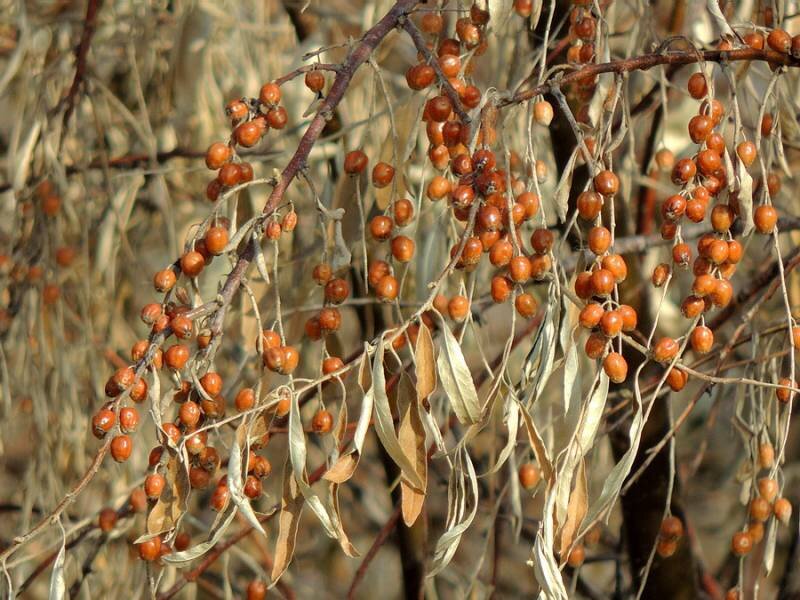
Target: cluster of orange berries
{"x": 582, "y": 33}
{"x": 763, "y": 506}
{"x": 669, "y": 535}
{"x": 702, "y": 178}
{"x": 606, "y": 318}
{"x": 33, "y": 273}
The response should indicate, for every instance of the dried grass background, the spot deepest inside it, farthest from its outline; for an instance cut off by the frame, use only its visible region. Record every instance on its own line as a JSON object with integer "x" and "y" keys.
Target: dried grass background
{"x": 158, "y": 76}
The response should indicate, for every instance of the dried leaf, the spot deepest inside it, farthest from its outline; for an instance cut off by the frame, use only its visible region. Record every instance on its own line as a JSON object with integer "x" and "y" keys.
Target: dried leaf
{"x": 168, "y": 508}
{"x": 411, "y": 435}
{"x": 576, "y": 511}
{"x": 297, "y": 456}
{"x": 459, "y": 497}
{"x": 179, "y": 558}
{"x": 426, "y": 360}
{"x": 236, "y": 479}
{"x": 745, "y": 197}
{"x": 341, "y": 252}
{"x": 561, "y": 194}
{"x": 384, "y": 423}
{"x": 261, "y": 262}
{"x": 457, "y": 379}
{"x": 719, "y": 19}
{"x": 58, "y": 586}
{"x": 538, "y": 447}
{"x": 288, "y": 522}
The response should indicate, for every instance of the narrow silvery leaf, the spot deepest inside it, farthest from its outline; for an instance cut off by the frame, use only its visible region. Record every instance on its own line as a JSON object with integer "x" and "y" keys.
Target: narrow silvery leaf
{"x": 561, "y": 194}
{"x": 179, "y": 558}
{"x": 384, "y": 422}
{"x": 235, "y": 482}
{"x": 457, "y": 379}
{"x": 745, "y": 196}
{"x": 458, "y": 521}
{"x": 58, "y": 587}
{"x": 297, "y": 456}
{"x": 719, "y": 19}
{"x": 425, "y": 363}
{"x": 239, "y": 235}
{"x": 259, "y": 259}
{"x": 341, "y": 253}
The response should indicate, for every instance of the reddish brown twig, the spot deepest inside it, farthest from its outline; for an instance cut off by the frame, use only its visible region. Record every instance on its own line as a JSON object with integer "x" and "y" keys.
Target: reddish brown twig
{"x": 380, "y": 540}
{"x": 648, "y": 61}
{"x": 81, "y": 54}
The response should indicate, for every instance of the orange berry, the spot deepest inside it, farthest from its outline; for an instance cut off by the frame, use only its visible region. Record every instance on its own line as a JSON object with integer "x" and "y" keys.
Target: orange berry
{"x": 665, "y": 350}
{"x": 529, "y": 475}
{"x": 615, "y": 367}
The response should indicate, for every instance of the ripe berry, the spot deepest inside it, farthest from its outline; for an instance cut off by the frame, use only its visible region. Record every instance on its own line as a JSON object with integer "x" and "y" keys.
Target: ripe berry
{"x": 615, "y": 367}
{"x": 121, "y": 447}
{"x": 697, "y": 86}
{"x": 332, "y": 364}
{"x": 779, "y": 40}
{"x": 315, "y": 81}
{"x": 783, "y": 394}
{"x": 458, "y": 308}
{"x": 583, "y": 285}
{"x": 500, "y": 288}
{"x": 245, "y": 399}
{"x": 530, "y": 202}
{"x": 229, "y": 175}
{"x": 277, "y": 118}
{"x": 217, "y": 155}
{"x": 666, "y": 548}
{"x": 355, "y": 162}
{"x": 519, "y": 269}
{"x": 590, "y": 315}
{"x": 252, "y": 487}
{"x": 701, "y": 339}
{"x": 382, "y": 174}
{"x": 247, "y": 134}
{"x": 387, "y": 288}
{"x": 760, "y": 509}
{"x": 599, "y": 240}
{"x": 336, "y": 291}
{"x": 722, "y": 294}
{"x": 256, "y": 590}
{"x": 192, "y": 263}
{"x": 529, "y": 475}
{"x": 783, "y": 510}
{"x": 418, "y": 77}
{"x": 381, "y": 227}
{"x": 665, "y": 350}
{"x": 102, "y": 422}
{"x": 611, "y": 323}
{"x": 741, "y": 543}
{"x": 683, "y": 171}
{"x": 576, "y": 557}
{"x": 107, "y": 519}
{"x": 700, "y": 127}
{"x": 128, "y": 419}
{"x": 163, "y": 281}
{"x": 526, "y": 305}
{"x": 671, "y": 528}
{"x": 676, "y": 379}
{"x": 543, "y": 113}
{"x": 154, "y": 485}
{"x": 402, "y": 248}
{"x": 438, "y": 188}
{"x": 768, "y": 488}
{"x": 589, "y": 205}
{"x": 322, "y": 421}
{"x": 150, "y": 550}
{"x": 403, "y": 212}
{"x": 660, "y": 275}
{"x": 629, "y": 317}
{"x": 602, "y": 282}
{"x": 606, "y": 183}
{"x": 595, "y": 345}
{"x": 765, "y": 218}
{"x": 270, "y": 93}
{"x": 176, "y": 356}
{"x": 722, "y": 217}
{"x": 216, "y": 239}
{"x": 747, "y": 152}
